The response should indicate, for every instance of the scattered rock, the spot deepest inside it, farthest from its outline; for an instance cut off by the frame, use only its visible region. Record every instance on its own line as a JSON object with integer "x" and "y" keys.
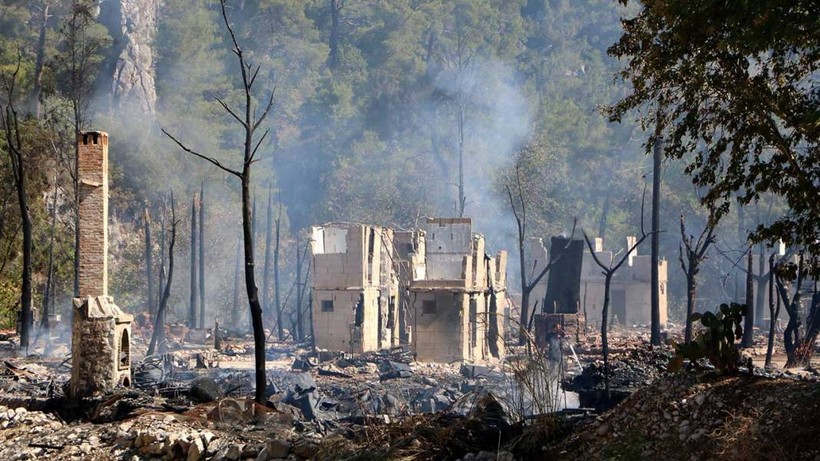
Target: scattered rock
{"x": 205, "y": 389}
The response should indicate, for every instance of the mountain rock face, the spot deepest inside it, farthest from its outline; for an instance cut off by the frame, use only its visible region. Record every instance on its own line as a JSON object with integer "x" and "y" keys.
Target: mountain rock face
{"x": 131, "y": 70}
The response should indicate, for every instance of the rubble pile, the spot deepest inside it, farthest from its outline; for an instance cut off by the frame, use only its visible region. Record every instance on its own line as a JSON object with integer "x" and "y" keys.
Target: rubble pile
{"x": 191, "y": 403}
{"x": 692, "y": 416}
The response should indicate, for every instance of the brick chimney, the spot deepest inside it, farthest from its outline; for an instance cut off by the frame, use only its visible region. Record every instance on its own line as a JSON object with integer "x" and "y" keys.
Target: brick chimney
{"x": 101, "y": 332}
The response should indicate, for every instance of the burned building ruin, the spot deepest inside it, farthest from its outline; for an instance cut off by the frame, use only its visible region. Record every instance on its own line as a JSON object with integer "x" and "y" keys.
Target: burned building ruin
{"x": 355, "y": 288}
{"x": 456, "y": 291}
{"x": 630, "y": 290}
{"x": 101, "y": 332}
{"x": 434, "y": 289}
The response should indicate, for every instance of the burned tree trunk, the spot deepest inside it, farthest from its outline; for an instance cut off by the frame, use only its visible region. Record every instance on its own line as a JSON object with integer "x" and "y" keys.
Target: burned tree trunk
{"x": 335, "y": 33}
{"x": 250, "y": 122}
{"x": 149, "y": 263}
{"x": 762, "y": 279}
{"x": 657, "y": 154}
{"x": 519, "y": 209}
{"x": 773, "y": 313}
{"x": 804, "y": 351}
{"x": 37, "y": 84}
{"x": 158, "y": 336}
{"x": 202, "y": 255}
{"x": 192, "y": 302}
{"x": 48, "y": 292}
{"x": 791, "y": 335}
{"x": 749, "y": 321}
{"x": 14, "y": 148}
{"x": 691, "y": 254}
{"x": 277, "y": 293}
{"x": 162, "y": 233}
{"x": 609, "y": 272}
{"x": 605, "y": 329}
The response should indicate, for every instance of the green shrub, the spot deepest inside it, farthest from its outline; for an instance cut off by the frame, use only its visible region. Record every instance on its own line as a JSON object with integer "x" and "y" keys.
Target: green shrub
{"x": 716, "y": 341}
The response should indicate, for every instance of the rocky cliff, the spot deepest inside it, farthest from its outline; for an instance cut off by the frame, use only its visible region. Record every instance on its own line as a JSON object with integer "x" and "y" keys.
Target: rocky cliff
{"x": 130, "y": 70}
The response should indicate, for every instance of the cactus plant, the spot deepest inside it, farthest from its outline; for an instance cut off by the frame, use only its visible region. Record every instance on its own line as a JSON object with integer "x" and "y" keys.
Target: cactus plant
{"x": 716, "y": 341}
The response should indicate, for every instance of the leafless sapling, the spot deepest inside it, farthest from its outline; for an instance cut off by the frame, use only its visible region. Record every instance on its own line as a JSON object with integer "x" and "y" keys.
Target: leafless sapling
{"x": 609, "y": 271}
{"x": 691, "y": 253}
{"x": 158, "y": 337}
{"x": 250, "y": 120}
{"x": 518, "y": 204}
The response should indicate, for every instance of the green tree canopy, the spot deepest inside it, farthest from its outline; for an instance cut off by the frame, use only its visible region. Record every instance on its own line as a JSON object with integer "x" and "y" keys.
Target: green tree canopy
{"x": 735, "y": 83}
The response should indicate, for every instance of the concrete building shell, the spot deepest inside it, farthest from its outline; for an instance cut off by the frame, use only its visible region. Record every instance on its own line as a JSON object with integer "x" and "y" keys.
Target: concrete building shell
{"x": 434, "y": 289}
{"x": 630, "y": 295}
{"x": 355, "y": 288}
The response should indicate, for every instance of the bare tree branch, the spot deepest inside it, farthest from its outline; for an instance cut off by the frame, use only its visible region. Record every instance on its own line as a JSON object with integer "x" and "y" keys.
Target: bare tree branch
{"x": 233, "y": 114}
{"x": 268, "y": 107}
{"x": 258, "y": 143}
{"x": 204, "y": 157}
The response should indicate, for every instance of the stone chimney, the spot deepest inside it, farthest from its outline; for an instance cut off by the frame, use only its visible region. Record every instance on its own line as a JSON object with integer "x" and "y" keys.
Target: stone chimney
{"x": 101, "y": 332}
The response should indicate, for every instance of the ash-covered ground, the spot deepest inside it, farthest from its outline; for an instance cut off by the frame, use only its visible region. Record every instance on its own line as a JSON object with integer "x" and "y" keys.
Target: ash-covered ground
{"x": 194, "y": 403}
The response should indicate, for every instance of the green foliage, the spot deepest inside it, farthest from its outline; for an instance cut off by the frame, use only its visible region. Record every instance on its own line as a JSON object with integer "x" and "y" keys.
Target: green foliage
{"x": 735, "y": 85}
{"x": 716, "y": 342}
{"x": 373, "y": 136}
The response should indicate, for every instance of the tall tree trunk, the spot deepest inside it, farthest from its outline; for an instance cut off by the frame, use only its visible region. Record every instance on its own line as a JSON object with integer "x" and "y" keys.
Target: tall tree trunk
{"x": 691, "y": 296}
{"x": 749, "y": 321}
{"x": 149, "y": 264}
{"x": 14, "y": 148}
{"x": 268, "y": 257}
{"x": 192, "y": 302}
{"x": 158, "y": 336}
{"x": 525, "y": 294}
{"x": 48, "y": 293}
{"x": 805, "y": 349}
{"x": 161, "y": 275}
{"x": 760, "y": 293}
{"x": 37, "y": 84}
{"x": 604, "y": 216}
{"x": 202, "y": 255}
{"x": 604, "y": 330}
{"x": 250, "y": 282}
{"x": 335, "y": 33}
{"x": 276, "y": 283}
{"x": 655, "y": 336}
{"x": 773, "y": 313}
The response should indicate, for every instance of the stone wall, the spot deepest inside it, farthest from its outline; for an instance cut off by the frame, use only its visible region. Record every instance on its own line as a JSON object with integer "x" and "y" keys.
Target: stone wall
{"x": 97, "y": 334}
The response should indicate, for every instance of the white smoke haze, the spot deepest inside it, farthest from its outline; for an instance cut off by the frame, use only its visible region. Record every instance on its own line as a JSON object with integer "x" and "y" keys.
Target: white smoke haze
{"x": 331, "y": 160}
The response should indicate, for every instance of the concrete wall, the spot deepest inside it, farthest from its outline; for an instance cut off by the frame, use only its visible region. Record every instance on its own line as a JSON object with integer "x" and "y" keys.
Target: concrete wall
{"x": 445, "y": 263}
{"x": 353, "y": 260}
{"x": 439, "y": 336}
{"x": 630, "y": 290}
{"x": 337, "y": 330}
